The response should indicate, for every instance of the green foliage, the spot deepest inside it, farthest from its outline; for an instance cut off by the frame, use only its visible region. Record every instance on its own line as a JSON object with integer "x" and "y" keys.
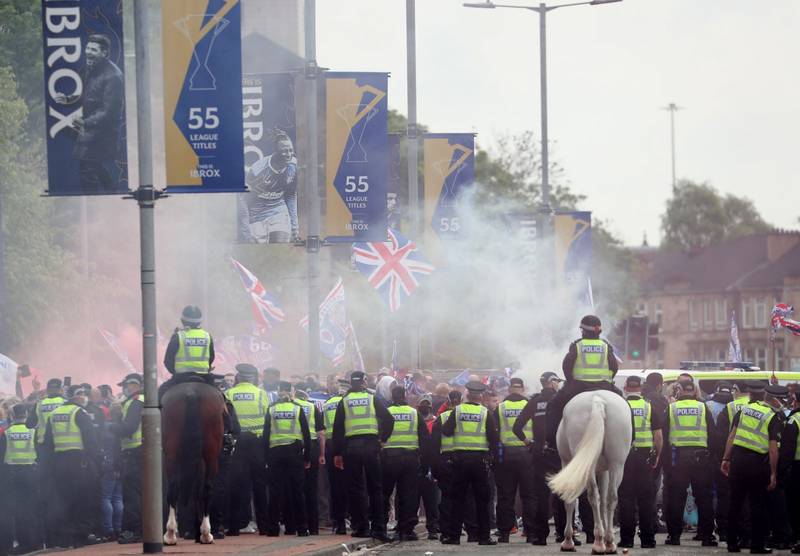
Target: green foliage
{"x": 21, "y": 50}
{"x": 697, "y": 216}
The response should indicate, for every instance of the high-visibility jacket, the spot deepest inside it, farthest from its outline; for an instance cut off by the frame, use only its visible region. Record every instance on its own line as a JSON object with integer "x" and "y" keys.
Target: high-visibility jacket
{"x": 134, "y": 440}
{"x": 43, "y": 410}
{"x": 592, "y": 362}
{"x": 20, "y": 449}
{"x": 447, "y": 441}
{"x": 642, "y": 413}
{"x": 508, "y": 412}
{"x": 194, "y": 345}
{"x": 359, "y": 413}
{"x": 311, "y": 416}
{"x": 470, "y": 428}
{"x": 66, "y": 434}
{"x": 250, "y": 403}
{"x": 687, "y": 424}
{"x": 329, "y": 413}
{"x": 404, "y": 434}
{"x": 752, "y": 430}
{"x": 795, "y": 418}
{"x": 284, "y": 424}
{"x": 735, "y": 407}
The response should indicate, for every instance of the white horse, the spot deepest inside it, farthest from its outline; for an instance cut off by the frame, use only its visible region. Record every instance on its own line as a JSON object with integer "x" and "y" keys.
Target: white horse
{"x": 594, "y": 440}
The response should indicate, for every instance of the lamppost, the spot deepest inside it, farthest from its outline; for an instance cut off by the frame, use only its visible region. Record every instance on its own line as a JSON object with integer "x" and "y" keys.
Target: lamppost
{"x": 542, "y": 10}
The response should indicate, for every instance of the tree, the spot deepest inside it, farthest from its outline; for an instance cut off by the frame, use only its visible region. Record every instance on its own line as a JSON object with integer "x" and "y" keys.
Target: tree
{"x": 698, "y": 215}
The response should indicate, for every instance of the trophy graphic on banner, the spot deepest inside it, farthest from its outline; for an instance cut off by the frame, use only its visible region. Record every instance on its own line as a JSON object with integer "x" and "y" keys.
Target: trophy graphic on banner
{"x": 353, "y": 114}
{"x": 450, "y": 169}
{"x": 201, "y": 77}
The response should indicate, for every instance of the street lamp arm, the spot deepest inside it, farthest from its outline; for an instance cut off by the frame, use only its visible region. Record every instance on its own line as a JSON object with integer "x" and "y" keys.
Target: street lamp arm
{"x": 491, "y": 5}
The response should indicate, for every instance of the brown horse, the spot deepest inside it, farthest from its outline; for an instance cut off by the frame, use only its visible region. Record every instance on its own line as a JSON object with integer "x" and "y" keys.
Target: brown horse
{"x": 192, "y": 422}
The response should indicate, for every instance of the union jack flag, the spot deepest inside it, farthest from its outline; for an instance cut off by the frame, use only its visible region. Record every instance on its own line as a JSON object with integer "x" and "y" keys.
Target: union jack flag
{"x": 266, "y": 311}
{"x": 393, "y": 268}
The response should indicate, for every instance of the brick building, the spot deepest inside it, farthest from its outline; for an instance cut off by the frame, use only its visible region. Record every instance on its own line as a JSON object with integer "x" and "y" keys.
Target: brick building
{"x": 691, "y": 295}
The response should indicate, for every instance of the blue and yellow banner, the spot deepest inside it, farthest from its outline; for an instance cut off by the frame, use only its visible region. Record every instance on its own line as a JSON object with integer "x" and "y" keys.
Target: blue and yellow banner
{"x": 84, "y": 93}
{"x": 573, "y": 247}
{"x": 357, "y": 156}
{"x": 449, "y": 168}
{"x": 203, "y": 95}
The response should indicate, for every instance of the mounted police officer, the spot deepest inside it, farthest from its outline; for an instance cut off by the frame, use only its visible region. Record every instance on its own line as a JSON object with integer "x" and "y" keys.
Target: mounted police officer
{"x": 688, "y": 434}
{"x": 287, "y": 448}
{"x": 19, "y": 480}
{"x": 190, "y": 351}
{"x": 248, "y": 474}
{"x": 636, "y": 491}
{"x": 512, "y": 472}
{"x": 589, "y": 365}
{"x": 751, "y": 463}
{"x": 337, "y": 481}
{"x": 129, "y": 431}
{"x": 360, "y": 426}
{"x": 400, "y": 458}
{"x": 473, "y": 429}
{"x": 70, "y": 438}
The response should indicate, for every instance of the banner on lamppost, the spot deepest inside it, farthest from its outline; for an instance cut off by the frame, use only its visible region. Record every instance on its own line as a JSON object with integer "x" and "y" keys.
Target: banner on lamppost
{"x": 573, "y": 247}
{"x": 449, "y": 168}
{"x": 357, "y": 156}
{"x": 202, "y": 47}
{"x": 84, "y": 91}
{"x": 267, "y": 213}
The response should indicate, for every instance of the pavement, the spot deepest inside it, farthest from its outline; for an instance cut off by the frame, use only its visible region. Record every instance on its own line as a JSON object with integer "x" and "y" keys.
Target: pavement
{"x": 324, "y": 544}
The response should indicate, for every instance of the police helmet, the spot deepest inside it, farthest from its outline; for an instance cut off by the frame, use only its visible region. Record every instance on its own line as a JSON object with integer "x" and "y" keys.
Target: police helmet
{"x": 192, "y": 315}
{"x": 591, "y": 323}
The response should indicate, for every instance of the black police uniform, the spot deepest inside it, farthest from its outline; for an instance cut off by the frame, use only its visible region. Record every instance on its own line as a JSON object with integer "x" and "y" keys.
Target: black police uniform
{"x": 790, "y": 469}
{"x": 362, "y": 462}
{"x": 131, "y": 468}
{"x": 311, "y": 481}
{"x": 636, "y": 491}
{"x": 471, "y": 470}
{"x": 18, "y": 503}
{"x": 219, "y": 508}
{"x": 779, "y": 521}
{"x": 684, "y": 466}
{"x": 749, "y": 478}
{"x": 286, "y": 476}
{"x": 512, "y": 473}
{"x": 427, "y": 485}
{"x": 74, "y": 473}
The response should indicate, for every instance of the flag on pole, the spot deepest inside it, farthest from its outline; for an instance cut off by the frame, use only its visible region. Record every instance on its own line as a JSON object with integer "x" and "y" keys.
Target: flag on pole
{"x": 266, "y": 310}
{"x": 113, "y": 343}
{"x": 782, "y": 318}
{"x": 734, "y": 347}
{"x": 357, "y": 360}
{"x": 332, "y": 325}
{"x": 394, "y": 268}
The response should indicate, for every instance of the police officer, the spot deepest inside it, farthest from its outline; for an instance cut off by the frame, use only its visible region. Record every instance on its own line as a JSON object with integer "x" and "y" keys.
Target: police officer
{"x": 790, "y": 452}
{"x": 40, "y": 415}
{"x": 248, "y": 473}
{"x": 219, "y": 508}
{"x": 474, "y": 431}
{"x": 129, "y": 431}
{"x": 337, "y": 481}
{"x": 400, "y": 458}
{"x": 636, "y": 490}
{"x": 717, "y": 405}
{"x": 443, "y": 448}
{"x": 316, "y": 426}
{"x": 426, "y": 484}
{"x": 512, "y": 471}
{"x": 190, "y": 351}
{"x": 360, "y": 425}
{"x": 19, "y": 480}
{"x": 590, "y": 364}
{"x": 287, "y": 448}
{"x": 751, "y": 463}
{"x": 780, "y": 529}
{"x": 70, "y": 439}
{"x": 690, "y": 428}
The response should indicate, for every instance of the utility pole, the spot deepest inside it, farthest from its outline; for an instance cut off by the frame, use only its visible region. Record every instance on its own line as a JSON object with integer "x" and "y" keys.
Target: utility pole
{"x": 413, "y": 158}
{"x": 672, "y": 108}
{"x": 313, "y": 241}
{"x": 146, "y": 195}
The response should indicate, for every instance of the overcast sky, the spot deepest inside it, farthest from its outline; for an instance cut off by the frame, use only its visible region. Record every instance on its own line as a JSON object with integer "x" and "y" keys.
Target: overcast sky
{"x": 732, "y": 64}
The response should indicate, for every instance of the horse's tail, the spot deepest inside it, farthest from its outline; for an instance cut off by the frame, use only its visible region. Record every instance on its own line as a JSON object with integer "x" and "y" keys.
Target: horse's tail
{"x": 190, "y": 460}
{"x": 571, "y": 481}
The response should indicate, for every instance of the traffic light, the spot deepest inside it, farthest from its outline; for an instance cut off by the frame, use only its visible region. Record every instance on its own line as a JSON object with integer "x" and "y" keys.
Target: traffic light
{"x": 637, "y": 338}
{"x": 652, "y": 337}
